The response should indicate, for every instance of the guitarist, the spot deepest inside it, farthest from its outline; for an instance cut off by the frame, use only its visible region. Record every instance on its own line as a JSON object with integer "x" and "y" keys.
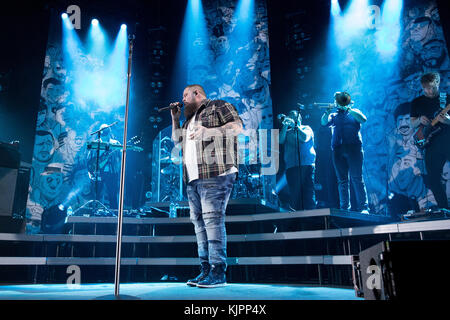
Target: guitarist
{"x": 424, "y": 109}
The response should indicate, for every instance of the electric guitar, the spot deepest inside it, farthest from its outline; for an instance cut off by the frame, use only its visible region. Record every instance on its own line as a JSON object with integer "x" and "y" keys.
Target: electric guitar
{"x": 423, "y": 135}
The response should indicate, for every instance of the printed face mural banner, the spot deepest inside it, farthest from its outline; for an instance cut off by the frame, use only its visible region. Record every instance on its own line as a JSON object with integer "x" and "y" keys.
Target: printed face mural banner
{"x": 225, "y": 48}
{"x": 83, "y": 90}
{"x": 383, "y": 78}
{"x": 234, "y": 66}
{"x": 79, "y": 95}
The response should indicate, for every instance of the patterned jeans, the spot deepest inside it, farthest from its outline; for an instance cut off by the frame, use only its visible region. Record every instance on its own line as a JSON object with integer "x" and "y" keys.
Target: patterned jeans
{"x": 208, "y": 200}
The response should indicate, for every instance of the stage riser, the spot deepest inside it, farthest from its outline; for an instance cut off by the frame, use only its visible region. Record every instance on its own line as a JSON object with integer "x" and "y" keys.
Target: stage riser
{"x": 305, "y": 247}
{"x": 318, "y": 219}
{"x": 294, "y": 254}
{"x": 301, "y": 272}
{"x": 287, "y": 225}
{"x": 331, "y": 275}
{"x": 308, "y": 246}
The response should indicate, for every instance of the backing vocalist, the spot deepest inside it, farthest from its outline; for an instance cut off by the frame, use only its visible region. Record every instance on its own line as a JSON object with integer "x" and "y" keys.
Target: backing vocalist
{"x": 299, "y": 159}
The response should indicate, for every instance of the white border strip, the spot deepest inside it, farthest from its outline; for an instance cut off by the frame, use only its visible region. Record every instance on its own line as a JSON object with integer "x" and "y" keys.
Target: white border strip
{"x": 275, "y": 260}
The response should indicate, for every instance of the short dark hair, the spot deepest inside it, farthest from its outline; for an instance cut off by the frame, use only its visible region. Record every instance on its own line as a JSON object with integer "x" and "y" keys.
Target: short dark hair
{"x": 51, "y": 81}
{"x": 402, "y": 109}
{"x": 43, "y": 133}
{"x": 197, "y": 87}
{"x": 342, "y": 98}
{"x": 430, "y": 77}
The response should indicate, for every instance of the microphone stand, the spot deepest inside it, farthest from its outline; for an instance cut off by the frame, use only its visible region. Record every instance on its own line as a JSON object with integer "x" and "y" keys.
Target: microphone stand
{"x": 122, "y": 173}
{"x": 299, "y": 161}
{"x": 122, "y": 180}
{"x": 95, "y": 209}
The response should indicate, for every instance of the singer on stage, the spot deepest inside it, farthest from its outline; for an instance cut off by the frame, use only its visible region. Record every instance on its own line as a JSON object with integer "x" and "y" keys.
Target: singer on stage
{"x": 210, "y": 166}
{"x": 299, "y": 159}
{"x": 346, "y": 145}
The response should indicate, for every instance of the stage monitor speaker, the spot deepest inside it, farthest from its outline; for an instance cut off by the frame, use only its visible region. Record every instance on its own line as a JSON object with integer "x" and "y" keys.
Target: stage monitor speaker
{"x": 401, "y": 270}
{"x": 9, "y": 165}
{"x": 8, "y": 180}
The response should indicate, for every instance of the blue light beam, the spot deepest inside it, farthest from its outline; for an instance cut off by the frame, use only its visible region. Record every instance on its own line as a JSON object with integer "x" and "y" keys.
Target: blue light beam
{"x": 97, "y": 45}
{"x": 193, "y": 43}
{"x": 335, "y": 8}
{"x": 388, "y": 34}
{"x": 245, "y": 17}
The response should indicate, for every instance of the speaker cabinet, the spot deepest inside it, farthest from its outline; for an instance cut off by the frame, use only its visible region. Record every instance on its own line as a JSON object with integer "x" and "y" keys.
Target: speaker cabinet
{"x": 398, "y": 270}
{"x": 8, "y": 180}
{"x": 9, "y": 167}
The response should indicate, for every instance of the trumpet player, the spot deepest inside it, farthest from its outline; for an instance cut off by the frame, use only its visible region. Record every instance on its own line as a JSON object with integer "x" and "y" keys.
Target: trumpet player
{"x": 347, "y": 151}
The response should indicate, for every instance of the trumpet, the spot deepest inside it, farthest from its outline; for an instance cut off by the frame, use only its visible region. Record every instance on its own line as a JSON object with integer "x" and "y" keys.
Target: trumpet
{"x": 323, "y": 105}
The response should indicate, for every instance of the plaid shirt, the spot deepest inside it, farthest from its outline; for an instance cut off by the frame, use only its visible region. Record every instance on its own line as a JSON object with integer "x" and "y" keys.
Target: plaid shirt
{"x": 217, "y": 154}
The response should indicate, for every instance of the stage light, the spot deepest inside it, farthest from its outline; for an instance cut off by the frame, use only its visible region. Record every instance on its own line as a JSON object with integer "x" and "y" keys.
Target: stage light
{"x": 103, "y": 87}
{"x": 195, "y": 6}
{"x": 123, "y": 26}
{"x": 71, "y": 42}
{"x": 351, "y": 23}
{"x": 335, "y": 8}
{"x": 388, "y": 32}
{"x": 66, "y": 22}
{"x": 244, "y": 10}
{"x": 193, "y": 44}
{"x": 244, "y": 15}
{"x": 96, "y": 44}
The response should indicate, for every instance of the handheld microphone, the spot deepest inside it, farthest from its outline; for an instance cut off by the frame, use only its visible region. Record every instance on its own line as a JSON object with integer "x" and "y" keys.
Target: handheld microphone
{"x": 171, "y": 106}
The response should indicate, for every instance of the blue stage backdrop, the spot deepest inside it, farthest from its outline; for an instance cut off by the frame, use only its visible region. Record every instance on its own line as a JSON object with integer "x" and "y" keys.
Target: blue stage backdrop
{"x": 238, "y": 66}
{"x": 224, "y": 46}
{"x": 83, "y": 87}
{"x": 379, "y": 63}
{"x": 379, "y": 53}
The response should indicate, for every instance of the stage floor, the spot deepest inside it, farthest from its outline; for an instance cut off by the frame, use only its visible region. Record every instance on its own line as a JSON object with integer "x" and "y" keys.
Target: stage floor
{"x": 174, "y": 291}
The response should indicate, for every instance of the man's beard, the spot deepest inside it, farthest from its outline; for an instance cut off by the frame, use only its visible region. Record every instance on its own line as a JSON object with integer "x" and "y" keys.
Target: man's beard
{"x": 189, "y": 110}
